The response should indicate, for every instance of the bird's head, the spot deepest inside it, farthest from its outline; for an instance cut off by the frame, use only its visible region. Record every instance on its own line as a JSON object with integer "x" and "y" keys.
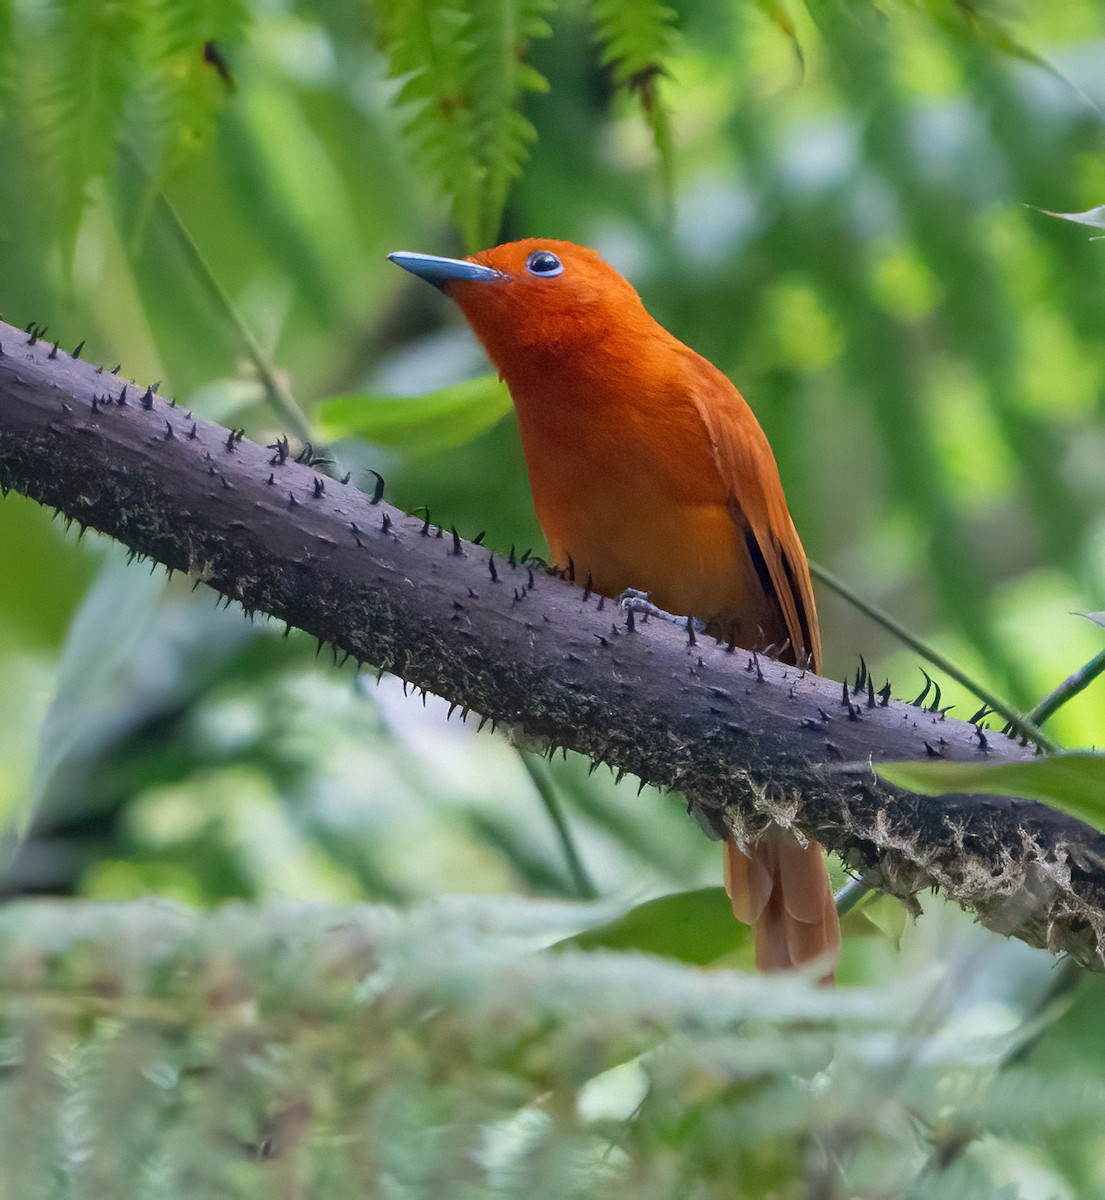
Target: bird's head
{"x": 536, "y": 299}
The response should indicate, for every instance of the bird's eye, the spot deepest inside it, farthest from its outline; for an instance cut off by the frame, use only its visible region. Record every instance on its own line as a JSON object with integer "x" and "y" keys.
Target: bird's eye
{"x": 544, "y": 262}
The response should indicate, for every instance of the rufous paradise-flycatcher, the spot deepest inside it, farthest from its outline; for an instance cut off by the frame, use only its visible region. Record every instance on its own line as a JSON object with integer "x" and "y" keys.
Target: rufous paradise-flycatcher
{"x": 649, "y": 471}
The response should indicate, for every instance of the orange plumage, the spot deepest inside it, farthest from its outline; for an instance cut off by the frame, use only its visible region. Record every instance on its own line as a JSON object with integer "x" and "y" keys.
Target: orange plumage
{"x": 649, "y": 471}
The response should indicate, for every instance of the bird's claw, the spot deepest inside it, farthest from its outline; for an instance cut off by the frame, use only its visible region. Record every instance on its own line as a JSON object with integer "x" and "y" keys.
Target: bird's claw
{"x": 638, "y": 603}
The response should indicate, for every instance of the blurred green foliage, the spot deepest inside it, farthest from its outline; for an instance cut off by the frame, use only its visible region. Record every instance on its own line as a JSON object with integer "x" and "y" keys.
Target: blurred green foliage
{"x": 838, "y": 202}
{"x": 307, "y": 1050}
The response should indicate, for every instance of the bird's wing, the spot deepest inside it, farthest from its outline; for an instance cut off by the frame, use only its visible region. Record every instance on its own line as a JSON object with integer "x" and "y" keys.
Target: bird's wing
{"x": 759, "y": 509}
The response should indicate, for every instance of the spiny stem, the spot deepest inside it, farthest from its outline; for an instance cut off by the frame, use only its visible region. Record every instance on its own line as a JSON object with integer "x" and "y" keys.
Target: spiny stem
{"x": 1068, "y": 689}
{"x": 585, "y": 889}
{"x": 1025, "y": 726}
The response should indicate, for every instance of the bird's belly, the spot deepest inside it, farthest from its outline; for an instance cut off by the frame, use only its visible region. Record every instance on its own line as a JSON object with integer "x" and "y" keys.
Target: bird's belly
{"x": 686, "y": 557}
{"x": 639, "y": 502}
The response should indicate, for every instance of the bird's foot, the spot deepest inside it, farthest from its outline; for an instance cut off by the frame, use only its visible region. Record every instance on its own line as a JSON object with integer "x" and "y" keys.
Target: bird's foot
{"x": 638, "y": 603}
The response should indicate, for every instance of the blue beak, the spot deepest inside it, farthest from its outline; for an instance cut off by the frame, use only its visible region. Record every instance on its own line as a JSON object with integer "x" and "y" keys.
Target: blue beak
{"x": 440, "y": 271}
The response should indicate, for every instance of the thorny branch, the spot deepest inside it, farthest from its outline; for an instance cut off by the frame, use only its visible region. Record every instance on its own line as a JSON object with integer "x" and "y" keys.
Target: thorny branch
{"x": 744, "y": 738}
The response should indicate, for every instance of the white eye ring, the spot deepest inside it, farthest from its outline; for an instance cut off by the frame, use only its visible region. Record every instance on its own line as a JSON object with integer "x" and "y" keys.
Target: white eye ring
{"x": 544, "y": 263}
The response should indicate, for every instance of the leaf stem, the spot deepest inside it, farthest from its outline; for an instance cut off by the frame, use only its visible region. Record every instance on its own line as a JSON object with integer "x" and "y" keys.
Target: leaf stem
{"x": 1068, "y": 689}
{"x": 1026, "y": 726}
{"x": 850, "y": 895}
{"x": 279, "y": 394}
{"x": 585, "y": 889}
{"x": 276, "y": 389}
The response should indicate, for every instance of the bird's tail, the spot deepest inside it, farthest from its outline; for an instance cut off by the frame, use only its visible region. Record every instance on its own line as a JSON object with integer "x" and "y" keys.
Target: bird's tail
{"x": 782, "y": 888}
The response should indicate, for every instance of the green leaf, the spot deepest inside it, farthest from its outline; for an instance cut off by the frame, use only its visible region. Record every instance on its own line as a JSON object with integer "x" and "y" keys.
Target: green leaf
{"x": 973, "y": 24}
{"x": 31, "y": 616}
{"x": 417, "y": 425}
{"x": 692, "y": 927}
{"x": 93, "y": 672}
{"x": 1073, "y": 783}
{"x": 880, "y": 915}
{"x": 6, "y": 52}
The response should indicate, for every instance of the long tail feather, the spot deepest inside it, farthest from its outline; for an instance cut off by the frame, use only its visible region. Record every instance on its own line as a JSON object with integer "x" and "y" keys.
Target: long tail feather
{"x": 782, "y": 888}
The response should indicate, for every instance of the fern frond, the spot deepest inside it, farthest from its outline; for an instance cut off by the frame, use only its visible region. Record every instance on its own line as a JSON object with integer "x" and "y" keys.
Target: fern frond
{"x": 89, "y": 75}
{"x": 465, "y": 75}
{"x": 638, "y": 38}
{"x": 105, "y": 71}
{"x": 498, "y": 29}
{"x": 423, "y": 41}
{"x": 175, "y": 106}
{"x": 173, "y": 109}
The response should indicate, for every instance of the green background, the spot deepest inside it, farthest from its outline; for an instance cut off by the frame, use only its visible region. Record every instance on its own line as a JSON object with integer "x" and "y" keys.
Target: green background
{"x": 839, "y": 204}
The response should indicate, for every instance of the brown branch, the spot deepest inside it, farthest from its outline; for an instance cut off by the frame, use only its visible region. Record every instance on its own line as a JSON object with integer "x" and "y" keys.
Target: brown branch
{"x": 743, "y": 737}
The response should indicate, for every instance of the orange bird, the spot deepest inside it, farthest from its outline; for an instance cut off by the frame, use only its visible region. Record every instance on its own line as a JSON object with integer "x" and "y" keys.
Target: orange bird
{"x": 649, "y": 471}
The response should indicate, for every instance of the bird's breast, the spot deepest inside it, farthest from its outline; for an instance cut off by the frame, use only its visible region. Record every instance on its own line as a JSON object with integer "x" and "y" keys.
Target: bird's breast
{"x": 629, "y": 494}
